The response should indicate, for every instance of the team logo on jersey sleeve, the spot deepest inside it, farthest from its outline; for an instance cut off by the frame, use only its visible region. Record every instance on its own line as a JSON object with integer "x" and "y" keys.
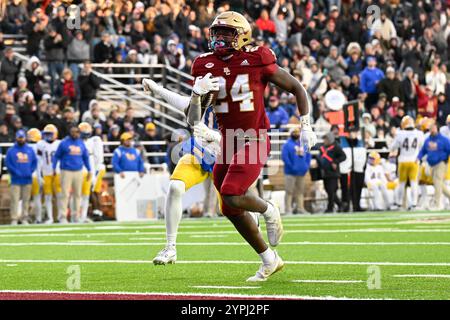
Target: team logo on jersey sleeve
{"x": 227, "y": 71}
{"x": 209, "y": 65}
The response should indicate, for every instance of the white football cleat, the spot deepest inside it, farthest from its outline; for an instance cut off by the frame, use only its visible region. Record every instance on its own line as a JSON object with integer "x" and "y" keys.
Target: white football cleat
{"x": 265, "y": 271}
{"x": 168, "y": 255}
{"x": 274, "y": 226}
{"x": 148, "y": 85}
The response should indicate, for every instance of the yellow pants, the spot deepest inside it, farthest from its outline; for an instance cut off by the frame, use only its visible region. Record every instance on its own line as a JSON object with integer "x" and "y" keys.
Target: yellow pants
{"x": 86, "y": 186}
{"x": 424, "y": 178}
{"x": 447, "y": 175}
{"x": 98, "y": 182}
{"x": 408, "y": 171}
{"x": 189, "y": 171}
{"x": 52, "y": 184}
{"x": 35, "y": 187}
{"x": 392, "y": 185}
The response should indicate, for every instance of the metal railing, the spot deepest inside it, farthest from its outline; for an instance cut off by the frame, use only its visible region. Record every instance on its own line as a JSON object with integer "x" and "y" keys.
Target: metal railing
{"x": 116, "y": 92}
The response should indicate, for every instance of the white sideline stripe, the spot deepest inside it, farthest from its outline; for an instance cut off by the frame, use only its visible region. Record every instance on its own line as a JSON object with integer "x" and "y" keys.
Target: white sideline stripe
{"x": 288, "y": 221}
{"x": 328, "y": 281}
{"x": 355, "y": 263}
{"x": 234, "y": 232}
{"x": 132, "y": 244}
{"x": 146, "y": 239}
{"x": 421, "y": 275}
{"x": 196, "y": 294}
{"x": 208, "y": 236}
{"x": 85, "y": 241}
{"x": 195, "y": 221}
{"x": 224, "y": 287}
{"x": 213, "y": 226}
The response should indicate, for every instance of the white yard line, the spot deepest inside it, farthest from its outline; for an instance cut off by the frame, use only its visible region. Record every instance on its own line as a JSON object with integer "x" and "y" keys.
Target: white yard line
{"x": 208, "y": 236}
{"x": 196, "y": 221}
{"x": 196, "y": 294}
{"x": 288, "y": 221}
{"x": 132, "y": 244}
{"x": 355, "y": 263}
{"x": 328, "y": 281}
{"x": 85, "y": 241}
{"x": 234, "y": 232}
{"x": 224, "y": 287}
{"x": 144, "y": 239}
{"x": 421, "y": 275}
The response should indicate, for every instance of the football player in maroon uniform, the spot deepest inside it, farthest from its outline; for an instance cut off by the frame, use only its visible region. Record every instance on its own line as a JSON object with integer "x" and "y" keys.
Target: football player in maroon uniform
{"x": 243, "y": 73}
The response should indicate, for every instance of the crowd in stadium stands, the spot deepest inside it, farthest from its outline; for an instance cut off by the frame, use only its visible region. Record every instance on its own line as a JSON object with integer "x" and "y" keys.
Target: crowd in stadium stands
{"x": 393, "y": 63}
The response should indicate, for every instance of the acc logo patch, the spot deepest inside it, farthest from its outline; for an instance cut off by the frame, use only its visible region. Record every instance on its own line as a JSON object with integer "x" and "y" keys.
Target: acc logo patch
{"x": 209, "y": 65}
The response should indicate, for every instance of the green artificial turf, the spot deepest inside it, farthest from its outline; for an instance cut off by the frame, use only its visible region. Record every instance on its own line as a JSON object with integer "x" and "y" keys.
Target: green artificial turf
{"x": 409, "y": 249}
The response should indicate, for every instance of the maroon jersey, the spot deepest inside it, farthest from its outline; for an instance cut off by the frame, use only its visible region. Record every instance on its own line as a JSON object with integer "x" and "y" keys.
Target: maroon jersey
{"x": 243, "y": 79}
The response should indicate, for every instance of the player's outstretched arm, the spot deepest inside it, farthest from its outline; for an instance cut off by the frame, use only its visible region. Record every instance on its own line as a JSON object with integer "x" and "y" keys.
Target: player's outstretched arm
{"x": 285, "y": 81}
{"x": 174, "y": 99}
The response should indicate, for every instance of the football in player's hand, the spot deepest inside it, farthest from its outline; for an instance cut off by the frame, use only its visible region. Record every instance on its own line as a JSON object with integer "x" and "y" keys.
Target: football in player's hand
{"x": 209, "y": 99}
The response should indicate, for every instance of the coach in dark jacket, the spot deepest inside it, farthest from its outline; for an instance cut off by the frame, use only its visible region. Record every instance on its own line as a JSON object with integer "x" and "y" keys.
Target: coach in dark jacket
{"x": 330, "y": 156}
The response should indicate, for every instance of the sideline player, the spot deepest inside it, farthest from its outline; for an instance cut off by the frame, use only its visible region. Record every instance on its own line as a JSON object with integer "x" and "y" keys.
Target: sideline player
{"x": 46, "y": 149}
{"x": 100, "y": 171}
{"x": 376, "y": 182}
{"x": 243, "y": 73}
{"x": 33, "y": 138}
{"x": 408, "y": 141}
{"x": 94, "y": 146}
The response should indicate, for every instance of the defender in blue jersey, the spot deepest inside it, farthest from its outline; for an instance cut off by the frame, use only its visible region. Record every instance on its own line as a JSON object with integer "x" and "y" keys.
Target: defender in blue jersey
{"x": 198, "y": 155}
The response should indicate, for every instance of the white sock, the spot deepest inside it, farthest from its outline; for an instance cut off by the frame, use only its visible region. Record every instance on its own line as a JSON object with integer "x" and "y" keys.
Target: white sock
{"x": 267, "y": 256}
{"x": 49, "y": 207}
{"x": 400, "y": 193}
{"x": 174, "y": 210}
{"x": 414, "y": 193}
{"x": 269, "y": 213}
{"x": 84, "y": 207}
{"x": 37, "y": 207}
{"x": 62, "y": 212}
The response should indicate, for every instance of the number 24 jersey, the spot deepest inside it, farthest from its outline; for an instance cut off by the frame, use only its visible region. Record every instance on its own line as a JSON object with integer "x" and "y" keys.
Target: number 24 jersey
{"x": 242, "y": 81}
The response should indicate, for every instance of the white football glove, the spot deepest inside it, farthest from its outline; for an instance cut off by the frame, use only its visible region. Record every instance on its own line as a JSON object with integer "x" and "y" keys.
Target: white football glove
{"x": 205, "y": 84}
{"x": 149, "y": 85}
{"x": 202, "y": 131}
{"x": 308, "y": 136}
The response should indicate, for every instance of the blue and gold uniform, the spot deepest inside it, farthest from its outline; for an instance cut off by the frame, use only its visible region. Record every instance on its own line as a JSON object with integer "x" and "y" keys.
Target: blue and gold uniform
{"x": 197, "y": 161}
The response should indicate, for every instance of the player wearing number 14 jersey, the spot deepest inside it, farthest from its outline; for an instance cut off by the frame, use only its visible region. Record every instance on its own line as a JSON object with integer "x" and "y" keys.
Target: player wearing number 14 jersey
{"x": 242, "y": 73}
{"x": 408, "y": 141}
{"x": 46, "y": 149}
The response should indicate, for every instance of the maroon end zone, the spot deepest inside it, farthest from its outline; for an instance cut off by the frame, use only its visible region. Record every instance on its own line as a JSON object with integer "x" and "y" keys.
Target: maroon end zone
{"x": 48, "y": 295}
